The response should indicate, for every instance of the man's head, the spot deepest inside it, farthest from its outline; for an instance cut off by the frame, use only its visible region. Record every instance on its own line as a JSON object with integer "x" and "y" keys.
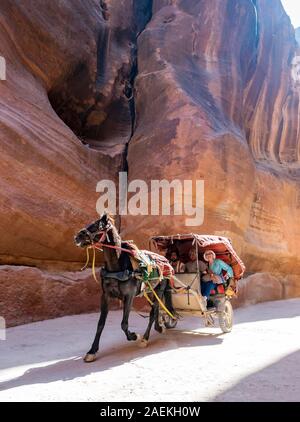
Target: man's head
{"x": 174, "y": 256}
{"x": 193, "y": 254}
{"x": 209, "y": 256}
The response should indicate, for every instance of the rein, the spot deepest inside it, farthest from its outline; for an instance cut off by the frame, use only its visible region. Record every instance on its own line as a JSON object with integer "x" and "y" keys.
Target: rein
{"x": 100, "y": 245}
{"x": 93, "y": 262}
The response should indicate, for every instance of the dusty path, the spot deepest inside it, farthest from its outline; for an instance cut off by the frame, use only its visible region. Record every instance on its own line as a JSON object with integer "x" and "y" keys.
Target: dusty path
{"x": 259, "y": 360}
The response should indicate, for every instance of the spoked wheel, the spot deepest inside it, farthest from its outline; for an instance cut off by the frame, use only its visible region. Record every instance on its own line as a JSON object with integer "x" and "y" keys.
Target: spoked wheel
{"x": 226, "y": 318}
{"x": 169, "y": 322}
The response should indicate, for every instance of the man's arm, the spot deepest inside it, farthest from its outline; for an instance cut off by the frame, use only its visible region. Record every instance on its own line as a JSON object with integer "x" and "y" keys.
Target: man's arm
{"x": 202, "y": 267}
{"x": 227, "y": 268}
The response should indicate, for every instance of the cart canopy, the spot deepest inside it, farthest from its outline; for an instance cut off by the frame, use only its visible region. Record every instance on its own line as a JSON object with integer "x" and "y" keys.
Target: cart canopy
{"x": 183, "y": 242}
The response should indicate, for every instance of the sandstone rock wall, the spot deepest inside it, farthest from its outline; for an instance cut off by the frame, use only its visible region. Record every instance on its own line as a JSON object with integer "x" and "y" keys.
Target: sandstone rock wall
{"x": 168, "y": 89}
{"x": 30, "y": 294}
{"x": 220, "y": 75}
{"x": 69, "y": 69}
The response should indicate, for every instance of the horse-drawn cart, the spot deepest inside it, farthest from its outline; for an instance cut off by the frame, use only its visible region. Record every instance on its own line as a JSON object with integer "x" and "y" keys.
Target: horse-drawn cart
{"x": 130, "y": 272}
{"x": 186, "y": 289}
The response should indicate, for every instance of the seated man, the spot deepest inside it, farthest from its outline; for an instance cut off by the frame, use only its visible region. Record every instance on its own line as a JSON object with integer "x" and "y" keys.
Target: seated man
{"x": 192, "y": 265}
{"x": 214, "y": 276}
{"x": 178, "y": 266}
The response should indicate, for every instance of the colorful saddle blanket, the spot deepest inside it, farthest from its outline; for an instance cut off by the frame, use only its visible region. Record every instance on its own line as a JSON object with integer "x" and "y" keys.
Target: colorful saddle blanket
{"x": 151, "y": 265}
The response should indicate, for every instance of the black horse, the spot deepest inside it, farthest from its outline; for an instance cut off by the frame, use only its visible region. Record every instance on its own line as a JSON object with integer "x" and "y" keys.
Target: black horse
{"x": 119, "y": 281}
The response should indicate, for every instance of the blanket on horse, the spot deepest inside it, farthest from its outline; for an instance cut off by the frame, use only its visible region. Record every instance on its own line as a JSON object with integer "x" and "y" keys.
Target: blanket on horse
{"x": 150, "y": 264}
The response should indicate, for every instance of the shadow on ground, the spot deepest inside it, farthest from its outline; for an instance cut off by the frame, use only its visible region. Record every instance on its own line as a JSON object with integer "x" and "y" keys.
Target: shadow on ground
{"x": 268, "y": 384}
{"x": 109, "y": 357}
{"x": 266, "y": 311}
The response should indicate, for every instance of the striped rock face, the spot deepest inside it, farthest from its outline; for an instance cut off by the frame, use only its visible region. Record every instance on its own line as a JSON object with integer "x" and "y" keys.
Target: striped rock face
{"x": 161, "y": 89}
{"x": 221, "y": 76}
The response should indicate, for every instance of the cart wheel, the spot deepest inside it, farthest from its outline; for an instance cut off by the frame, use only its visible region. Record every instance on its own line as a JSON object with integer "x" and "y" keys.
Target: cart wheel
{"x": 226, "y": 318}
{"x": 169, "y": 322}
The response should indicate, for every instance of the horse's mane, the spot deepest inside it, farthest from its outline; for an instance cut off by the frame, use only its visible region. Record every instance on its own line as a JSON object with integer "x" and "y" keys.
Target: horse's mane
{"x": 116, "y": 237}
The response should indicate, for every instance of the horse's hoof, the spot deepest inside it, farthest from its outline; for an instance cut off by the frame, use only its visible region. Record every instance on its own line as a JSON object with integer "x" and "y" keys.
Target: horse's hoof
{"x": 143, "y": 343}
{"x": 163, "y": 329}
{"x": 160, "y": 329}
{"x": 138, "y": 337}
{"x": 89, "y": 357}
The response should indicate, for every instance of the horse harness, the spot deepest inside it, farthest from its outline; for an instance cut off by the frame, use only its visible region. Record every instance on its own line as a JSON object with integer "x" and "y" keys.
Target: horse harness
{"x": 125, "y": 275}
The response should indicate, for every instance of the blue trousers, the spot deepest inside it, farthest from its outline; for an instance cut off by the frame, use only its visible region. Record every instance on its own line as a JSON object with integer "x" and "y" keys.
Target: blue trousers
{"x": 207, "y": 287}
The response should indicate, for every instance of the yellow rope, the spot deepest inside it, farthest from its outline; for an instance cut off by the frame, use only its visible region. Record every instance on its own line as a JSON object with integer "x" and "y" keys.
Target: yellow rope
{"x": 93, "y": 267}
{"x": 93, "y": 262}
{"x": 160, "y": 302}
{"x": 87, "y": 259}
{"x": 148, "y": 298}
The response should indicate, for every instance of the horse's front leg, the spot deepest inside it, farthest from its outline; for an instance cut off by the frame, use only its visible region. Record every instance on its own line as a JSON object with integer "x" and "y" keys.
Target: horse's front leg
{"x": 128, "y": 300}
{"x": 91, "y": 355}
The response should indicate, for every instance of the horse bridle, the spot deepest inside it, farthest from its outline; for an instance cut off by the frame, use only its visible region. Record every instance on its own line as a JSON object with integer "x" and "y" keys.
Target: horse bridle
{"x": 104, "y": 231}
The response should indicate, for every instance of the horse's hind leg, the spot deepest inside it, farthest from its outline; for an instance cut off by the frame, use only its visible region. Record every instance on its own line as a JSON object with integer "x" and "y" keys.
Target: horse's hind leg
{"x": 160, "y": 294}
{"x": 165, "y": 294}
{"x": 91, "y": 355}
{"x": 152, "y": 316}
{"x": 168, "y": 298}
{"x": 126, "y": 311}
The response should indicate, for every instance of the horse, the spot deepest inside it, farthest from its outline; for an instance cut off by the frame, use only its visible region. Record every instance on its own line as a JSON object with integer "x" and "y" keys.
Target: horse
{"x": 119, "y": 280}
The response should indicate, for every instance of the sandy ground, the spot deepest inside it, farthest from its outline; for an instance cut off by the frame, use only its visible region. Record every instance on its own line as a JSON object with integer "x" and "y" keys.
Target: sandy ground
{"x": 258, "y": 361}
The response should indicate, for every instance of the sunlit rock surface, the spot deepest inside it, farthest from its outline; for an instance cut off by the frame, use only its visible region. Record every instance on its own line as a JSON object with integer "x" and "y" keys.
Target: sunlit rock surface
{"x": 221, "y": 76}
{"x": 162, "y": 89}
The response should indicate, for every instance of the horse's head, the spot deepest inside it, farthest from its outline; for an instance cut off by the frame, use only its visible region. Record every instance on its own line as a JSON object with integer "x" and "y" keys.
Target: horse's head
{"x": 94, "y": 232}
